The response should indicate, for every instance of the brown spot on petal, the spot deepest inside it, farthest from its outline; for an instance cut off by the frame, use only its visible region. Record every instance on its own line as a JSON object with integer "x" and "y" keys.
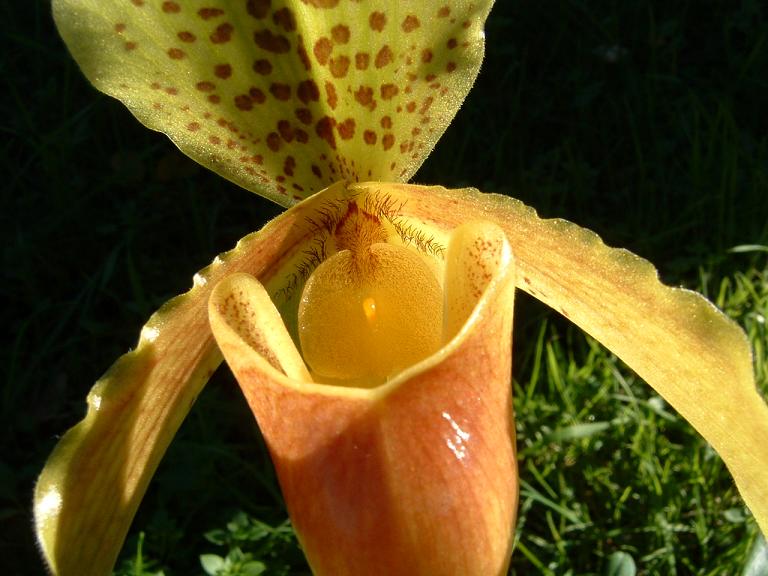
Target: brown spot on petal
{"x": 120, "y": 27}
{"x": 324, "y": 129}
{"x": 388, "y": 91}
{"x": 205, "y": 86}
{"x": 426, "y": 55}
{"x": 301, "y": 50}
{"x": 273, "y": 141}
{"x": 262, "y": 67}
{"x": 346, "y": 129}
{"x": 316, "y": 171}
{"x": 370, "y": 137}
{"x": 308, "y": 91}
{"x": 388, "y": 141}
{"x": 285, "y": 19}
{"x": 340, "y": 34}
{"x": 271, "y": 42}
{"x": 289, "y": 165}
{"x": 193, "y": 126}
{"x": 257, "y": 95}
{"x": 339, "y": 66}
{"x": 280, "y": 91}
{"x": 364, "y": 96}
{"x": 386, "y": 122}
{"x": 222, "y": 34}
{"x": 410, "y": 23}
{"x": 383, "y": 57}
{"x": 176, "y": 53}
{"x": 137, "y": 2}
{"x": 208, "y": 13}
{"x": 258, "y": 8}
{"x": 451, "y": 66}
{"x": 302, "y": 136}
{"x": 243, "y": 102}
{"x": 377, "y": 21}
{"x": 362, "y": 59}
{"x": 214, "y": 98}
{"x": 171, "y": 8}
{"x": 304, "y": 115}
{"x": 322, "y": 50}
{"x": 331, "y": 97}
{"x": 285, "y": 130}
{"x": 444, "y": 12}
{"x": 222, "y": 71}
{"x": 130, "y": 46}
{"x": 452, "y": 43}
{"x": 321, "y": 3}
{"x": 186, "y": 36}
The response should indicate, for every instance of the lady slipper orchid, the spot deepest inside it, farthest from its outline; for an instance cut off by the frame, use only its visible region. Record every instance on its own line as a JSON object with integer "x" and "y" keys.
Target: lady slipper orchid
{"x": 369, "y": 326}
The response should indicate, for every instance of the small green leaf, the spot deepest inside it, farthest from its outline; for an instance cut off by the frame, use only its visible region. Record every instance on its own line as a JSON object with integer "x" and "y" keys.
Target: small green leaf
{"x": 253, "y": 568}
{"x": 735, "y": 515}
{"x": 211, "y": 563}
{"x": 757, "y": 563}
{"x": 620, "y": 564}
{"x": 217, "y": 536}
{"x": 578, "y": 431}
{"x": 748, "y": 248}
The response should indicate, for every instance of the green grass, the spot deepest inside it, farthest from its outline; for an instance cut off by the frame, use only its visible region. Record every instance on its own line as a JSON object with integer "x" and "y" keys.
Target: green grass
{"x": 607, "y": 466}
{"x": 663, "y": 150}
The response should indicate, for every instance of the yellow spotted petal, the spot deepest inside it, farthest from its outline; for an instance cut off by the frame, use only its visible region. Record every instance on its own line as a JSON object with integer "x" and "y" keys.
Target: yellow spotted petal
{"x": 285, "y": 97}
{"x": 675, "y": 339}
{"x": 93, "y": 482}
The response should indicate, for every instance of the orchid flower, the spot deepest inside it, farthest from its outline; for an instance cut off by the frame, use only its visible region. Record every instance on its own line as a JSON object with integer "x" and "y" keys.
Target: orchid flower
{"x": 369, "y": 325}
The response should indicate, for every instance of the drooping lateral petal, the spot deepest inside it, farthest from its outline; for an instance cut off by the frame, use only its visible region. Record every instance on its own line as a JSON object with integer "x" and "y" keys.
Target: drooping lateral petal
{"x": 285, "y": 97}
{"x": 93, "y": 482}
{"x": 415, "y": 477}
{"x": 676, "y": 340}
